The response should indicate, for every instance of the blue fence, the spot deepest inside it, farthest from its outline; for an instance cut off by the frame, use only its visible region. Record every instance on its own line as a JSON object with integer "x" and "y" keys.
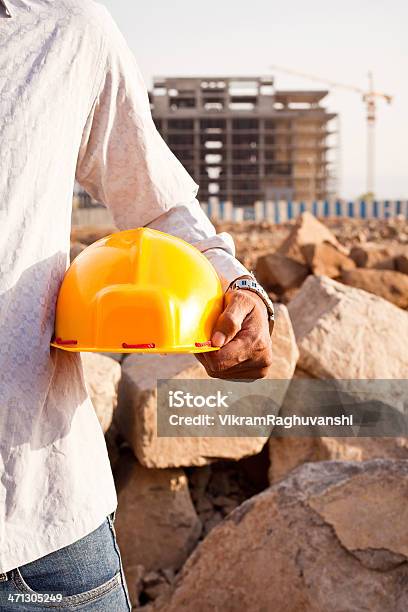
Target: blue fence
{"x": 279, "y": 212}
{"x": 274, "y": 212}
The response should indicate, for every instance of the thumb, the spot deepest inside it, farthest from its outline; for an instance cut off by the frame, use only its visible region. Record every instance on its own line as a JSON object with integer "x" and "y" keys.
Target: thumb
{"x": 229, "y": 323}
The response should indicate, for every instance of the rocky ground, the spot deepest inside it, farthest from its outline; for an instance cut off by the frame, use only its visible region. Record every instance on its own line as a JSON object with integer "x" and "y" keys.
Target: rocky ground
{"x": 255, "y": 239}
{"x": 286, "y": 524}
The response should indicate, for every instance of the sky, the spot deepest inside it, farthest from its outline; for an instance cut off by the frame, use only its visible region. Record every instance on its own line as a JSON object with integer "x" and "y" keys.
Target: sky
{"x": 340, "y": 41}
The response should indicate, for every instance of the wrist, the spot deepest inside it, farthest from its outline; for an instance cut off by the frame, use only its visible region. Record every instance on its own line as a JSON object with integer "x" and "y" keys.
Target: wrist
{"x": 248, "y": 282}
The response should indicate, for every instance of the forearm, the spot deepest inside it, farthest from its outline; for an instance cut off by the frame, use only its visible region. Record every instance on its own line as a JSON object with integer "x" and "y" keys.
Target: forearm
{"x": 190, "y": 223}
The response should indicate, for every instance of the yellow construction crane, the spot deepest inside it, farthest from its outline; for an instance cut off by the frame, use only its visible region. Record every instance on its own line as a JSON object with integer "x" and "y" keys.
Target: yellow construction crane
{"x": 369, "y": 97}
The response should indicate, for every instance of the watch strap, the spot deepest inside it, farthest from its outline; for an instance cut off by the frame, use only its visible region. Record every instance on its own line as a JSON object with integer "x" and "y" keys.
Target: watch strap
{"x": 251, "y": 284}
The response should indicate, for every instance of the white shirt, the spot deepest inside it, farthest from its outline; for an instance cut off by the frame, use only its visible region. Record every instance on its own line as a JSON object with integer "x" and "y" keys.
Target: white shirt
{"x": 73, "y": 105}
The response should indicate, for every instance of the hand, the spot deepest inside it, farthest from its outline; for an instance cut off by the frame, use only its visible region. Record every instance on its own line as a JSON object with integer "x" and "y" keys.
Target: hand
{"x": 242, "y": 330}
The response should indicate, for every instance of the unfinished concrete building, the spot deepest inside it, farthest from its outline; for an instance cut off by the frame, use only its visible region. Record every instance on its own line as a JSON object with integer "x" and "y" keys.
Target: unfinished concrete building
{"x": 242, "y": 140}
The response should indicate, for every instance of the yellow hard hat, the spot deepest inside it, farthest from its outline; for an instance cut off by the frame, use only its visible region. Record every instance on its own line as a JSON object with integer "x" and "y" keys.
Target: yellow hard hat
{"x": 138, "y": 291}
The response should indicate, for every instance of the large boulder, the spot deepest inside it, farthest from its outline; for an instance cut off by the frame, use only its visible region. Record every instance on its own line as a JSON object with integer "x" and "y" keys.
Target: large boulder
{"x": 332, "y": 536}
{"x": 136, "y": 419}
{"x": 325, "y": 259}
{"x": 307, "y": 230}
{"x": 156, "y": 524}
{"x": 388, "y": 284}
{"x": 347, "y": 333}
{"x": 287, "y": 453}
{"x": 285, "y": 350}
{"x": 278, "y": 271}
{"x": 102, "y": 375}
{"x": 137, "y": 411}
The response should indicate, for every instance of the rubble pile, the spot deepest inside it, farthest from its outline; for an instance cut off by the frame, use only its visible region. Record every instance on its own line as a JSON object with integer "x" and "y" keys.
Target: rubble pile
{"x": 314, "y": 542}
{"x": 310, "y": 248}
{"x": 255, "y": 239}
{"x": 284, "y": 524}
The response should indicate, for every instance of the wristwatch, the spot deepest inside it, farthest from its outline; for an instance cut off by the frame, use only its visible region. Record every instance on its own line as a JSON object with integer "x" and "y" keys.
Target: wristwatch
{"x": 251, "y": 284}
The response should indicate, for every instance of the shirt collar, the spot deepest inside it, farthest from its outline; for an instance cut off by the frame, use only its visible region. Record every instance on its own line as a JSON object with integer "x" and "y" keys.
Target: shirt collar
{"x": 3, "y": 3}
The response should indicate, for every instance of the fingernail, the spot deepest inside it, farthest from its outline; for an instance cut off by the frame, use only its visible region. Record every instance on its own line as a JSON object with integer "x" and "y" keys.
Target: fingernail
{"x": 218, "y": 339}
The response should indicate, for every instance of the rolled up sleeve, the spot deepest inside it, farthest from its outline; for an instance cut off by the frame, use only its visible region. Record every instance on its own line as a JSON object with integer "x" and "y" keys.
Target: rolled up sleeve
{"x": 124, "y": 163}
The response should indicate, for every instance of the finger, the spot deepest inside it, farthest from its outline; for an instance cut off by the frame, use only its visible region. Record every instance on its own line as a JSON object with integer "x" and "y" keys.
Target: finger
{"x": 215, "y": 361}
{"x": 202, "y": 358}
{"x": 229, "y": 323}
{"x": 249, "y": 374}
{"x": 260, "y": 363}
{"x": 238, "y": 355}
{"x": 243, "y": 371}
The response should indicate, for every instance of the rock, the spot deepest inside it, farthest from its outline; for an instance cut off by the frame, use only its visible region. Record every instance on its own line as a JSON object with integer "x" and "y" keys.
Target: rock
{"x": 277, "y": 271}
{"x": 332, "y": 536}
{"x": 307, "y": 230}
{"x": 347, "y": 333}
{"x": 224, "y": 503}
{"x": 136, "y": 412}
{"x": 285, "y": 351}
{"x": 373, "y": 255}
{"x": 287, "y": 453}
{"x": 286, "y": 297}
{"x": 155, "y": 585}
{"x": 375, "y": 493}
{"x": 102, "y": 375}
{"x": 229, "y": 484}
{"x": 214, "y": 520}
{"x": 135, "y": 584}
{"x": 76, "y": 249}
{"x": 299, "y": 373}
{"x": 116, "y": 356}
{"x": 217, "y": 489}
{"x": 325, "y": 259}
{"x": 136, "y": 416}
{"x": 401, "y": 264}
{"x": 156, "y": 524}
{"x": 204, "y": 506}
{"x": 168, "y": 574}
{"x": 252, "y": 240}
{"x": 198, "y": 481}
{"x": 388, "y": 284}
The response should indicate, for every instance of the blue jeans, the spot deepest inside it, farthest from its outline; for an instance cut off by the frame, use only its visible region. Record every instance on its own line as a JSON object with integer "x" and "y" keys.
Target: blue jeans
{"x": 86, "y": 576}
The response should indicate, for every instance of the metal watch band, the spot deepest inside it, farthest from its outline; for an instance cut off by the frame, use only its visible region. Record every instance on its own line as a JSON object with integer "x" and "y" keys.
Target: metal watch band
{"x": 253, "y": 285}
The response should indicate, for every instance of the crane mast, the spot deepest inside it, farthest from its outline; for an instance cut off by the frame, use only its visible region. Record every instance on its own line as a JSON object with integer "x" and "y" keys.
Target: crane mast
{"x": 369, "y": 98}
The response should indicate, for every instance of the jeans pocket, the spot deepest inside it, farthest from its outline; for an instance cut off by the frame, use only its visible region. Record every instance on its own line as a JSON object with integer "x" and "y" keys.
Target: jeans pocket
{"x": 46, "y": 600}
{"x": 82, "y": 572}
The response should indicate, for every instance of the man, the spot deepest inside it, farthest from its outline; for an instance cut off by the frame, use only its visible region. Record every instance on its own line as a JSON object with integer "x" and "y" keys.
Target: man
{"x": 74, "y": 105}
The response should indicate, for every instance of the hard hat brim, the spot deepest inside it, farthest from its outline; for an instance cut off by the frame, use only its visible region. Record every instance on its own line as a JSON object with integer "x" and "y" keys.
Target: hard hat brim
{"x": 172, "y": 349}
